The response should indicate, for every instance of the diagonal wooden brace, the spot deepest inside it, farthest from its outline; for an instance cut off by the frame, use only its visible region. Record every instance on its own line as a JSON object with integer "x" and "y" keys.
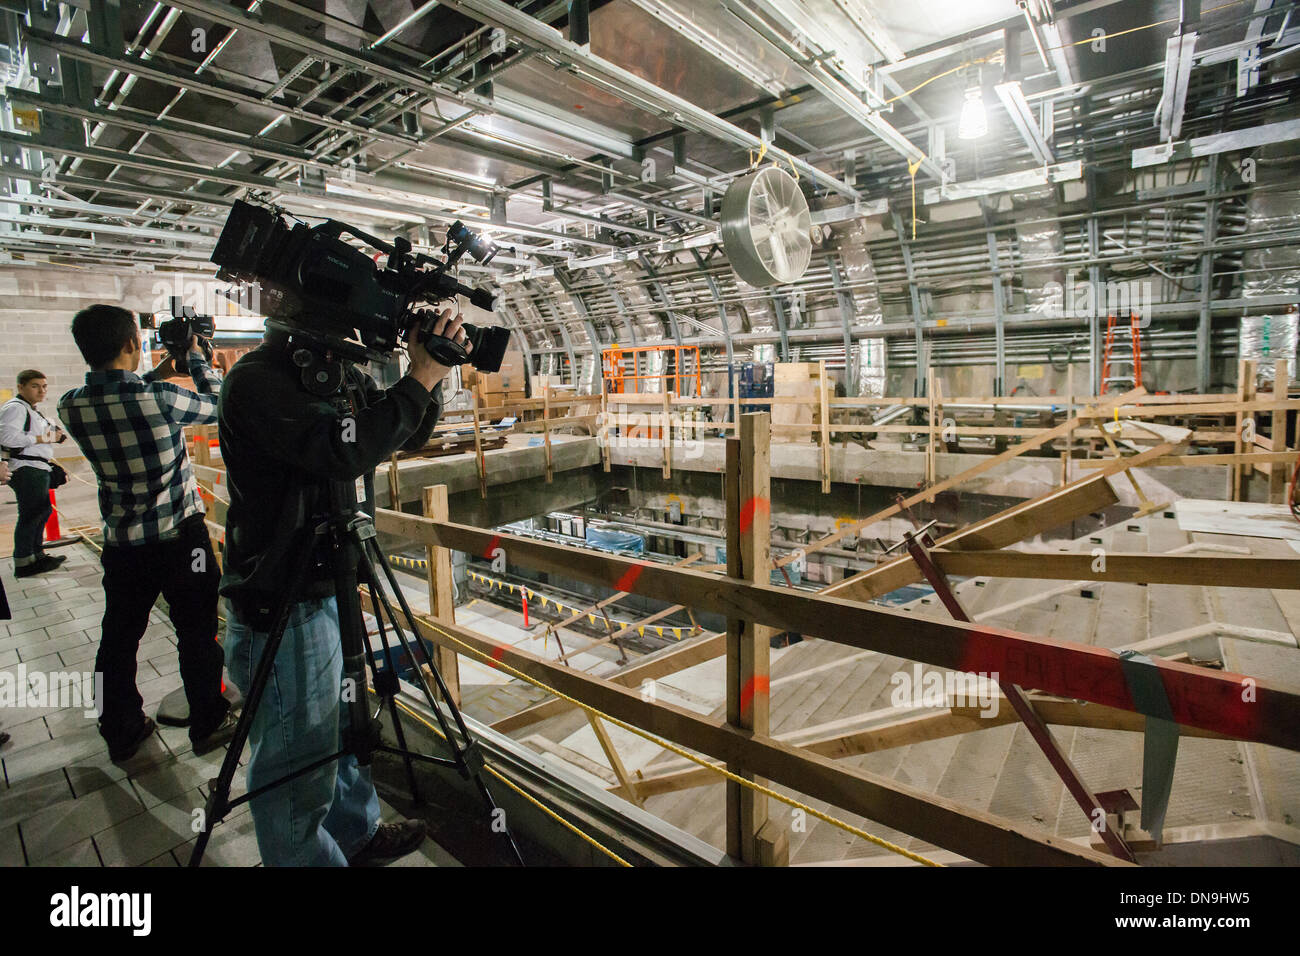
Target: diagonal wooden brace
{"x": 1087, "y": 801}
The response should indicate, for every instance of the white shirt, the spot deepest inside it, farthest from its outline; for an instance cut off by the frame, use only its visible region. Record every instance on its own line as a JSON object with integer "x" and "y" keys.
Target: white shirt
{"x": 16, "y": 435}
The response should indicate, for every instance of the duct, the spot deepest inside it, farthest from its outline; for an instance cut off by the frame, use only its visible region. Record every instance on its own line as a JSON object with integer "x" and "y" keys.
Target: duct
{"x": 589, "y": 375}
{"x": 1270, "y": 270}
{"x": 1266, "y": 338}
{"x": 860, "y": 277}
{"x": 637, "y": 303}
{"x": 1039, "y": 244}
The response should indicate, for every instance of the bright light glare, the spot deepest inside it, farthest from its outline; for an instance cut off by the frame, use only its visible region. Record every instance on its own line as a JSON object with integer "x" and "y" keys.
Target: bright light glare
{"x": 974, "y": 122}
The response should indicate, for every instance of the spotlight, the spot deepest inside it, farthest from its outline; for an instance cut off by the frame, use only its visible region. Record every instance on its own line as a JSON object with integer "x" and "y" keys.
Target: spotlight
{"x": 973, "y": 123}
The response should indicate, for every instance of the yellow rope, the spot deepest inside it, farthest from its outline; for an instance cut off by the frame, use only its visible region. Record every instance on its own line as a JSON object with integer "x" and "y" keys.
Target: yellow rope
{"x": 912, "y": 167}
{"x": 527, "y": 796}
{"x": 673, "y": 748}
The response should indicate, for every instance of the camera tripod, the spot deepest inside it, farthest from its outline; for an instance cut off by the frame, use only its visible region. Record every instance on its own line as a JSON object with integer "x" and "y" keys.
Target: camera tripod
{"x": 354, "y": 551}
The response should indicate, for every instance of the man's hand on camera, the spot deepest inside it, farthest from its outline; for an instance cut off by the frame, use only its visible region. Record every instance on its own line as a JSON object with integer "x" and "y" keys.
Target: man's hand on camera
{"x": 195, "y": 348}
{"x": 425, "y": 369}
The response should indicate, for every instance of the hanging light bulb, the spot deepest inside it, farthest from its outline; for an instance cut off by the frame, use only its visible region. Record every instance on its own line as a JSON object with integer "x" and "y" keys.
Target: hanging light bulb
{"x": 974, "y": 123}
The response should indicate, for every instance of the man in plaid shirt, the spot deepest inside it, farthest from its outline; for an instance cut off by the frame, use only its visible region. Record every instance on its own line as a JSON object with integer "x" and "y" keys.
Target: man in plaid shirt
{"x": 155, "y": 539}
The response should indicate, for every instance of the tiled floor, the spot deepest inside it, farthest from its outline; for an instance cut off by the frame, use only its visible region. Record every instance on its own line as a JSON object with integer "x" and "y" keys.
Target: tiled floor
{"x": 63, "y": 802}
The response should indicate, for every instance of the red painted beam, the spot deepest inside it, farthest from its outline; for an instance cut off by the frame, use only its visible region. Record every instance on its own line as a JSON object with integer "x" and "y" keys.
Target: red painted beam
{"x": 1231, "y": 704}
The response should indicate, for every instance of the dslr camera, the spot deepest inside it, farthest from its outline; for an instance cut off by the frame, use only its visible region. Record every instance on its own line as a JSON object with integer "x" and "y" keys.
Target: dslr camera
{"x": 174, "y": 334}
{"x": 321, "y": 284}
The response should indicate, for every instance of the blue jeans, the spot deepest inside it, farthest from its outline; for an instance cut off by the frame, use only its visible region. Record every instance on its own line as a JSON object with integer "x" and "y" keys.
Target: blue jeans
{"x": 323, "y": 817}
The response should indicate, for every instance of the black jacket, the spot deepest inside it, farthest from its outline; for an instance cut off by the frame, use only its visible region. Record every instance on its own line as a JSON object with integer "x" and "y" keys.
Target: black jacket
{"x": 280, "y": 444}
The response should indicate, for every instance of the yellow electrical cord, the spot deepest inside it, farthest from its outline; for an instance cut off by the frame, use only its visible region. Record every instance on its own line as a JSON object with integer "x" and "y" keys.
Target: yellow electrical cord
{"x": 673, "y": 748}
{"x": 1145, "y": 26}
{"x": 912, "y": 167}
{"x": 997, "y": 56}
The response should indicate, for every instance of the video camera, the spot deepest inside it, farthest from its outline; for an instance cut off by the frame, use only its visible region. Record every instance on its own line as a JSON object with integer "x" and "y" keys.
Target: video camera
{"x": 323, "y": 284}
{"x": 174, "y": 334}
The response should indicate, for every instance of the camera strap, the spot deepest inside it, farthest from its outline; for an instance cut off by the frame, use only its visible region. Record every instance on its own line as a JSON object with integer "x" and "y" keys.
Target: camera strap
{"x": 14, "y": 454}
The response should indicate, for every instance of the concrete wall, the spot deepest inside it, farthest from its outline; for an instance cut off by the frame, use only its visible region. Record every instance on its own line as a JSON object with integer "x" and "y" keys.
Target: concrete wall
{"x": 36, "y": 310}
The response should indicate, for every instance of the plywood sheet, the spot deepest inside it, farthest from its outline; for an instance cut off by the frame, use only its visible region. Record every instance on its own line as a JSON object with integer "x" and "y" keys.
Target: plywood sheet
{"x": 1246, "y": 518}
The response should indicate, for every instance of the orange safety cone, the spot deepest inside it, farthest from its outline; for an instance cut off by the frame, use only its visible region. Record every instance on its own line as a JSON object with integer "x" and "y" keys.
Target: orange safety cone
{"x": 52, "y": 533}
{"x": 523, "y": 593}
{"x": 52, "y": 526}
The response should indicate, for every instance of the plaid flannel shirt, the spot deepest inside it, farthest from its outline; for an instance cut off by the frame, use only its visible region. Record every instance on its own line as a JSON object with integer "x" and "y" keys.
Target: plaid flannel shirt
{"x": 129, "y": 429}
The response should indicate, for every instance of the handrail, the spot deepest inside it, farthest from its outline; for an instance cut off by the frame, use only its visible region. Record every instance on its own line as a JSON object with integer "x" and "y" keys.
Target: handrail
{"x": 1232, "y": 704}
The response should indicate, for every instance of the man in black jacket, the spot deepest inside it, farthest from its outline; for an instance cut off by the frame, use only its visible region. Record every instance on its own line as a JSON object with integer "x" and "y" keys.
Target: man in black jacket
{"x": 280, "y": 444}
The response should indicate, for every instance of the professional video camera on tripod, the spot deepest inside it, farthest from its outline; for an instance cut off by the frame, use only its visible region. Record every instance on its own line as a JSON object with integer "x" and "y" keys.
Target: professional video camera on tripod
{"x": 331, "y": 307}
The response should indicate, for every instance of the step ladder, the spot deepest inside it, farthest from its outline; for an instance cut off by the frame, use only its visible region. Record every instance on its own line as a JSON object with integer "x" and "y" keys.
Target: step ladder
{"x": 1112, "y": 364}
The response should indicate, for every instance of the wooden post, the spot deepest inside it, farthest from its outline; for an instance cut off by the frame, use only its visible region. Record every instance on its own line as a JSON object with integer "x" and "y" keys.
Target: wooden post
{"x": 1278, "y": 474}
{"x": 394, "y": 485}
{"x": 546, "y": 431}
{"x": 1245, "y": 393}
{"x": 1069, "y": 415}
{"x": 825, "y": 427}
{"x": 931, "y": 462}
{"x": 442, "y": 603}
{"x": 604, "y": 427}
{"x": 478, "y": 455}
{"x": 665, "y": 432}
{"x": 751, "y": 837}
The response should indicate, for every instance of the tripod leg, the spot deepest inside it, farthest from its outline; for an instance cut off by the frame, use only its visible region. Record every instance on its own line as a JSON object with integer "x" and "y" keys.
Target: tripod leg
{"x": 388, "y": 686}
{"x": 218, "y": 802}
{"x": 406, "y": 755}
{"x": 469, "y": 755}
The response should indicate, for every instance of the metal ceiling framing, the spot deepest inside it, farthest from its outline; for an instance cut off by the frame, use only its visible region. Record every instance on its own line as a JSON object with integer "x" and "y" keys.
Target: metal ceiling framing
{"x": 383, "y": 104}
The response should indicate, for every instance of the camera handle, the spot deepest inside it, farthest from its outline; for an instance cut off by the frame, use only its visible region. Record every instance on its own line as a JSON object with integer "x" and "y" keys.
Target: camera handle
{"x": 447, "y": 351}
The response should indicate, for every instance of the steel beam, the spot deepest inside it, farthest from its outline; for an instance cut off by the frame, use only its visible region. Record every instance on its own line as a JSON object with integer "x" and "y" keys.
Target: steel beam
{"x": 628, "y": 86}
{"x": 848, "y": 313}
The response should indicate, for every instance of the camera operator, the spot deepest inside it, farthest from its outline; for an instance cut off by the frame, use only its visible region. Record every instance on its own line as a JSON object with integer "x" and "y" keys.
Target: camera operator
{"x": 130, "y": 428}
{"x": 281, "y": 444}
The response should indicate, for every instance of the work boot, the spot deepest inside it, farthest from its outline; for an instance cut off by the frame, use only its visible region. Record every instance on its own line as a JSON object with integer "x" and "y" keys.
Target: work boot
{"x": 219, "y": 736}
{"x": 391, "y": 840}
{"x": 128, "y": 750}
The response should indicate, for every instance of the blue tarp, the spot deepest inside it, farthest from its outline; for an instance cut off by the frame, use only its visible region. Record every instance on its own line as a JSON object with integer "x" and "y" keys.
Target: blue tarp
{"x": 615, "y": 540}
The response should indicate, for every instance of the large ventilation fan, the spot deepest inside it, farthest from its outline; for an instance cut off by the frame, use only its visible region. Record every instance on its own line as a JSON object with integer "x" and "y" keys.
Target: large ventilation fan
{"x": 766, "y": 227}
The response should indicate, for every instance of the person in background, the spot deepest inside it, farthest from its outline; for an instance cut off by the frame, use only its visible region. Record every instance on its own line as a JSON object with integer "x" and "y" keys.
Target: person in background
{"x": 155, "y": 536}
{"x": 29, "y": 438}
